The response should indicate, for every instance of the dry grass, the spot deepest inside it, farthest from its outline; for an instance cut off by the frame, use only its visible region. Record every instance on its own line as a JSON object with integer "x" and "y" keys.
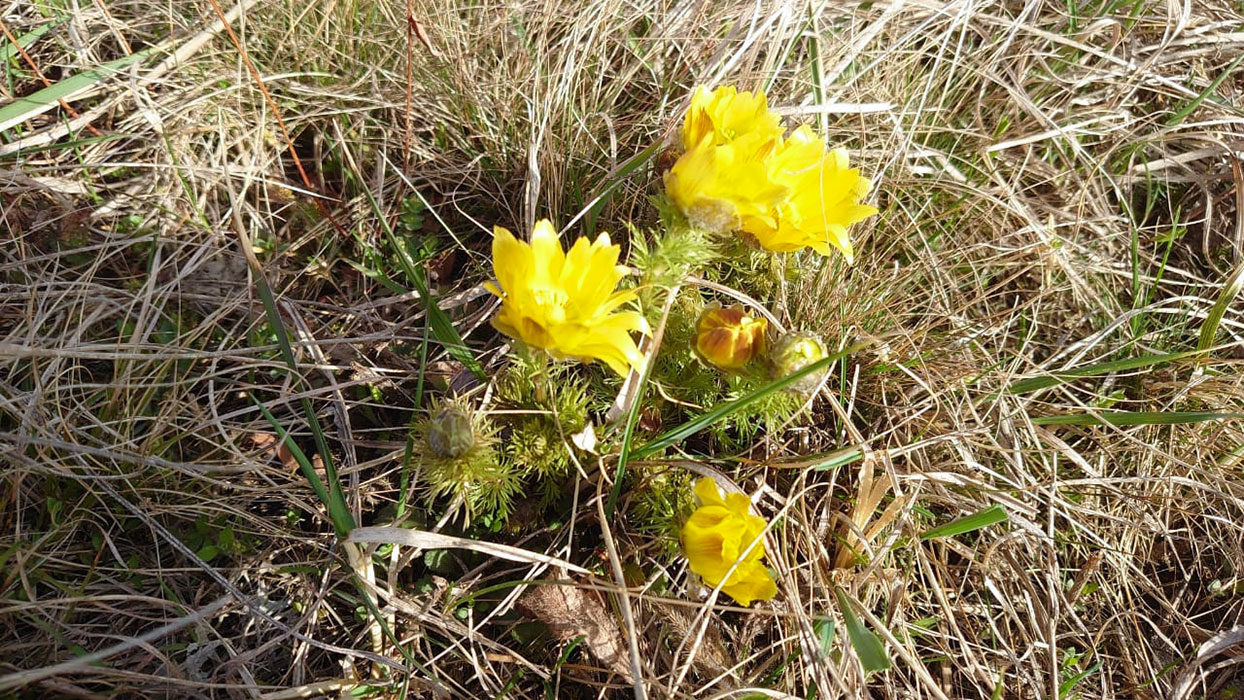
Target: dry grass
{"x": 1061, "y": 186}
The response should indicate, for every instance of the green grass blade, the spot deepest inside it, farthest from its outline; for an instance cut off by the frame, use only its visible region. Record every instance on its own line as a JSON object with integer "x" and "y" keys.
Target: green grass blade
{"x": 551, "y": 685}
{"x": 1024, "y": 386}
{"x": 969, "y": 523}
{"x": 824, "y": 630}
{"x": 8, "y": 50}
{"x": 442, "y": 328}
{"x": 307, "y": 468}
{"x": 366, "y": 597}
{"x": 1065, "y": 688}
{"x": 701, "y": 422}
{"x": 839, "y": 458}
{"x": 24, "y": 108}
{"x": 628, "y": 434}
{"x": 1182, "y": 114}
{"x": 408, "y": 452}
{"x": 1230, "y": 290}
{"x": 334, "y": 497}
{"x": 867, "y": 645}
{"x": 1129, "y": 418}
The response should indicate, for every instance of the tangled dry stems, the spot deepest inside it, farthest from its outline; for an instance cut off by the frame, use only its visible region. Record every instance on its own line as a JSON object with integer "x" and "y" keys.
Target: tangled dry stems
{"x": 1019, "y": 152}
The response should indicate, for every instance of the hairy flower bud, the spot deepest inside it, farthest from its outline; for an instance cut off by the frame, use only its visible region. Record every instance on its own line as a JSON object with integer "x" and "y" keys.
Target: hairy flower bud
{"x": 728, "y": 338}
{"x": 450, "y": 432}
{"x": 794, "y": 352}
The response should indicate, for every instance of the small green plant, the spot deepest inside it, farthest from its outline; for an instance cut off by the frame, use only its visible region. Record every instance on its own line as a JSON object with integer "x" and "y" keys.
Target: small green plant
{"x": 545, "y": 405}
{"x": 455, "y": 447}
{"x": 215, "y": 538}
{"x": 661, "y": 503}
{"x": 410, "y": 215}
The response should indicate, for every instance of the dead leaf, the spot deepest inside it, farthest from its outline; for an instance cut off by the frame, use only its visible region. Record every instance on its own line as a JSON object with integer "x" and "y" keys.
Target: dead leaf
{"x": 416, "y": 27}
{"x": 585, "y": 439}
{"x": 572, "y": 612}
{"x": 711, "y": 659}
{"x": 269, "y": 444}
{"x": 650, "y": 419}
{"x": 442, "y": 265}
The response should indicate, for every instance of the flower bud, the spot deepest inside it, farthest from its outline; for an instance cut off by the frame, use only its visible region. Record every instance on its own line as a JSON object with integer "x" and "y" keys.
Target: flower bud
{"x": 728, "y": 338}
{"x": 794, "y": 352}
{"x": 450, "y": 432}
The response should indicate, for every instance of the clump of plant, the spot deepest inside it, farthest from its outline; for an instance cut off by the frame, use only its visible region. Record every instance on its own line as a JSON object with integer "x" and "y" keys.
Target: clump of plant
{"x": 662, "y": 501}
{"x": 741, "y": 188}
{"x": 712, "y": 354}
{"x": 456, "y": 448}
{"x": 543, "y": 405}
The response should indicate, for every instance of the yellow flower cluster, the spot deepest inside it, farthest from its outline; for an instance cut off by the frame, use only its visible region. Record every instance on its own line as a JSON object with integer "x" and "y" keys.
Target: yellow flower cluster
{"x": 565, "y": 303}
{"x": 716, "y": 539}
{"x": 739, "y": 171}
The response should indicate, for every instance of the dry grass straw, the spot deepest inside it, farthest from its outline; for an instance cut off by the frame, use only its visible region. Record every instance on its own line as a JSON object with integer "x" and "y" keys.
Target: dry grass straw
{"x": 1056, "y": 191}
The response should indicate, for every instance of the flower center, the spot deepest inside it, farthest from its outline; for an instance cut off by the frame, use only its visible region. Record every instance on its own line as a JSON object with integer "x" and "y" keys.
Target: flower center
{"x": 713, "y": 215}
{"x": 552, "y": 301}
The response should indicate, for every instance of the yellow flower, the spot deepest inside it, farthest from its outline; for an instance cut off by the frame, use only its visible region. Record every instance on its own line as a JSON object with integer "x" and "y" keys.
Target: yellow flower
{"x": 718, "y": 187}
{"x": 728, "y": 338}
{"x": 723, "y": 178}
{"x": 716, "y": 536}
{"x": 739, "y": 172}
{"x": 562, "y": 302}
{"x": 728, "y": 114}
{"x": 824, "y": 198}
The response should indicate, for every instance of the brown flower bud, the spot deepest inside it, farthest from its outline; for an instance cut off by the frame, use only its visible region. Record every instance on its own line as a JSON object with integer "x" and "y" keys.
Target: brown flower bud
{"x": 728, "y": 338}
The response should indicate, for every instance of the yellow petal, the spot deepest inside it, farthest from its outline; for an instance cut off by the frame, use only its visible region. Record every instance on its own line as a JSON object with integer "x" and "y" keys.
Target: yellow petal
{"x": 738, "y": 504}
{"x": 703, "y": 551}
{"x": 718, "y": 186}
{"x": 575, "y": 273}
{"x": 611, "y": 344}
{"x": 713, "y": 540}
{"x": 726, "y": 114}
{"x": 511, "y": 259}
{"x": 601, "y": 273}
{"x": 708, "y": 493}
{"x": 750, "y": 582}
{"x": 547, "y": 253}
{"x": 728, "y": 338}
{"x": 698, "y": 123}
{"x": 717, "y": 535}
{"x": 565, "y": 304}
{"x": 616, "y": 299}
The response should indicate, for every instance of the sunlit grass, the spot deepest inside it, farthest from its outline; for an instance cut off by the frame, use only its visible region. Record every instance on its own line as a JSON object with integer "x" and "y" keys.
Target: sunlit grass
{"x": 1020, "y": 479}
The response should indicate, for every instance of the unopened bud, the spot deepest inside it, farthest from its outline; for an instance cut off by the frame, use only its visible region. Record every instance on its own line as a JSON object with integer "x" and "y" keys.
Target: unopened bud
{"x": 728, "y": 338}
{"x": 794, "y": 352}
{"x": 450, "y": 432}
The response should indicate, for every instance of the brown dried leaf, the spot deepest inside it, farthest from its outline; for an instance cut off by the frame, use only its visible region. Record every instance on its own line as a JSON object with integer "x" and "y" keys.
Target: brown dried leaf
{"x": 572, "y": 612}
{"x": 711, "y": 659}
{"x": 260, "y": 441}
{"x": 269, "y": 444}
